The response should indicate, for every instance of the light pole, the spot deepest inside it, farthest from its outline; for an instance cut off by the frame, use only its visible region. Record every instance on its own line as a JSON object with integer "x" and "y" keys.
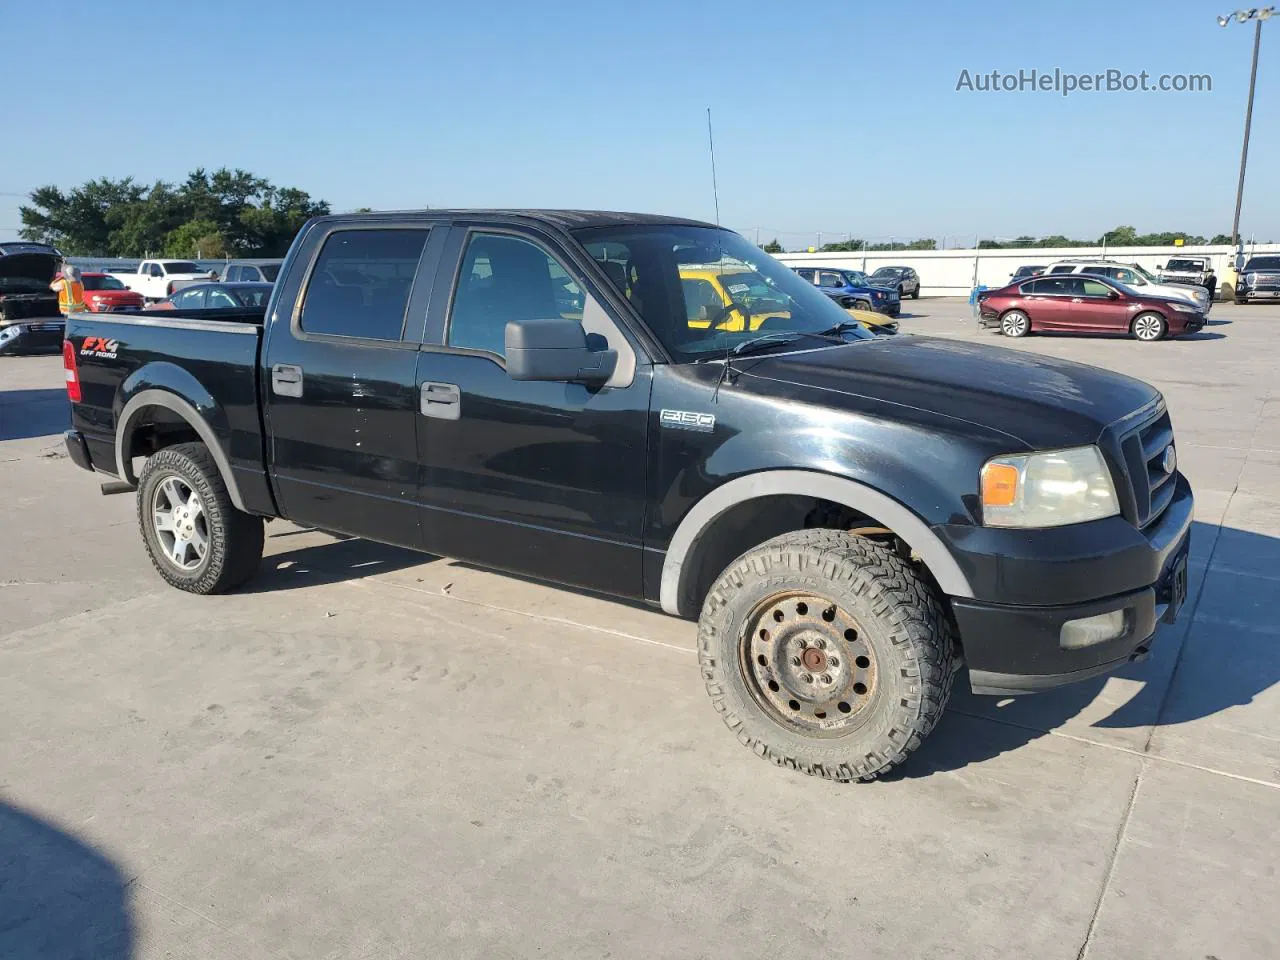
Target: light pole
{"x": 1244, "y": 16}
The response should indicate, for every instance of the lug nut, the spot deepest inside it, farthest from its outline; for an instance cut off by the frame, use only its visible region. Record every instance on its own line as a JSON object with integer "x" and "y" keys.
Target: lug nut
{"x": 833, "y": 662}
{"x": 795, "y": 661}
{"x": 826, "y": 678}
{"x": 820, "y": 644}
{"x": 807, "y": 677}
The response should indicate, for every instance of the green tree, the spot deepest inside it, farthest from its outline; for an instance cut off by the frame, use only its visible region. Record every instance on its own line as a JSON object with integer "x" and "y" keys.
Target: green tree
{"x": 79, "y": 221}
{"x": 1120, "y": 237}
{"x": 196, "y": 238}
{"x": 1221, "y": 238}
{"x": 773, "y": 246}
{"x": 231, "y": 211}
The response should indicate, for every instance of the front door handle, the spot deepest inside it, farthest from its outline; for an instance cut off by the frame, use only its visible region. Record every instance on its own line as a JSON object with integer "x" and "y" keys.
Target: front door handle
{"x": 443, "y": 401}
{"x": 286, "y": 380}
{"x": 1077, "y": 300}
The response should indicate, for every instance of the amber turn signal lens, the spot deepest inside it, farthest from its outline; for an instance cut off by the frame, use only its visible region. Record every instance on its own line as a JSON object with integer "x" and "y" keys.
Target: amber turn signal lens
{"x": 999, "y": 485}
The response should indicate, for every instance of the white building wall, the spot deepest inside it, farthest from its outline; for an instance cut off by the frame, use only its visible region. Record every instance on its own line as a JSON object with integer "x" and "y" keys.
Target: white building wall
{"x": 954, "y": 273}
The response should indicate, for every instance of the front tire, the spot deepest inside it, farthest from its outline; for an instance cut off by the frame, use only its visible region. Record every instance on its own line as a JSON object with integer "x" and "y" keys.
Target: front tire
{"x": 1015, "y": 323}
{"x": 861, "y": 305}
{"x": 1149, "y": 327}
{"x": 197, "y": 540}
{"x": 915, "y": 294}
{"x": 826, "y": 653}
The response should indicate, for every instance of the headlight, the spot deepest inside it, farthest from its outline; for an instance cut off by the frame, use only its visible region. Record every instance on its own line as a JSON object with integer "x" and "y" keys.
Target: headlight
{"x": 1249, "y": 278}
{"x": 1186, "y": 308}
{"x": 1047, "y": 489}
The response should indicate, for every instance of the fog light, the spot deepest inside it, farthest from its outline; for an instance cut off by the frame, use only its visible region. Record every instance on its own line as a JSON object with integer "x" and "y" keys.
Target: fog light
{"x": 1088, "y": 631}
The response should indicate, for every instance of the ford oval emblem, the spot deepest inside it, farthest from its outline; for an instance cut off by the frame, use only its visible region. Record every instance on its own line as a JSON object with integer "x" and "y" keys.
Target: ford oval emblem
{"x": 1170, "y": 459}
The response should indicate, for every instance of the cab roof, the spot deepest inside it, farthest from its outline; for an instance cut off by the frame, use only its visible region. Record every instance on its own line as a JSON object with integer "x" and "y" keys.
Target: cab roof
{"x": 561, "y": 219}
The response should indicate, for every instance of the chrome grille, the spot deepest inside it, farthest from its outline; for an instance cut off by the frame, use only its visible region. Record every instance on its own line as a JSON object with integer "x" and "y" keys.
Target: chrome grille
{"x": 1144, "y": 454}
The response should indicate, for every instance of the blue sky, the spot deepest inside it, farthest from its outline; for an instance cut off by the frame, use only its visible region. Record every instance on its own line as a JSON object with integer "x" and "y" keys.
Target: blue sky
{"x": 832, "y": 116}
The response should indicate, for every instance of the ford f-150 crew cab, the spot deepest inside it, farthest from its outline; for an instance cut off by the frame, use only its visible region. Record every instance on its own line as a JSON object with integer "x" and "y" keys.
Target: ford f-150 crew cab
{"x": 849, "y": 517}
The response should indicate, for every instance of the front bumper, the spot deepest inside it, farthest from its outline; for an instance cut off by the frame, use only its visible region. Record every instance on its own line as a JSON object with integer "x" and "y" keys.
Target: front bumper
{"x": 1028, "y": 583}
{"x": 890, "y": 308}
{"x": 32, "y": 336}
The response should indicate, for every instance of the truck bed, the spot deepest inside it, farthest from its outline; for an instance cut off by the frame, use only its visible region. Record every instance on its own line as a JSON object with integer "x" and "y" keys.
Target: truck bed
{"x": 211, "y": 362}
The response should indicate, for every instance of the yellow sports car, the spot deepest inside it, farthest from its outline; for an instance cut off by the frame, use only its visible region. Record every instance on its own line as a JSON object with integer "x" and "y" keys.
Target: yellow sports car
{"x": 725, "y": 296}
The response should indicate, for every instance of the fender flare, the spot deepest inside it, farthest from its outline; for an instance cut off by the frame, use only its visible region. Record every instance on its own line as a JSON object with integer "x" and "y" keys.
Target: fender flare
{"x": 171, "y": 401}
{"x": 676, "y": 581}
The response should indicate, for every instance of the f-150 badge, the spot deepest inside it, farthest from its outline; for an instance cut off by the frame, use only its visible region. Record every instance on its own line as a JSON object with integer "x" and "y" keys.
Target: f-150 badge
{"x": 688, "y": 420}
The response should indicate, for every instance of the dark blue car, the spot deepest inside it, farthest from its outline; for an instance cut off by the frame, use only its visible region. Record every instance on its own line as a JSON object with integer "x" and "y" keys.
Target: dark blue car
{"x": 856, "y": 284}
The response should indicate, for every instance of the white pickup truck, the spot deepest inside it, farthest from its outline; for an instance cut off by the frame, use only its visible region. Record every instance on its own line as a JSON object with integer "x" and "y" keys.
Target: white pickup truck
{"x": 157, "y": 279}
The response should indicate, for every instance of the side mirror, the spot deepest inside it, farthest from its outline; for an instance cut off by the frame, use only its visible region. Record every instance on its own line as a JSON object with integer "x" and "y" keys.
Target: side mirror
{"x": 555, "y": 350}
{"x": 1159, "y": 266}
{"x": 1113, "y": 295}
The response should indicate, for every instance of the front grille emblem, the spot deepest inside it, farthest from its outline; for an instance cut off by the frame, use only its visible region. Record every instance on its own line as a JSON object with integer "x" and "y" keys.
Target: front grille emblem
{"x": 1170, "y": 459}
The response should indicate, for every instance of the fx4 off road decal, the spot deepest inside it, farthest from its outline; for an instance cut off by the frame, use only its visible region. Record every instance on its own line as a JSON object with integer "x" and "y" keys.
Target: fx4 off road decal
{"x": 688, "y": 420}
{"x": 99, "y": 347}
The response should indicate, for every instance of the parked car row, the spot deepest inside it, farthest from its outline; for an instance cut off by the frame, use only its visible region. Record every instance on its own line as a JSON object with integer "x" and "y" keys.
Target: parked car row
{"x": 881, "y": 291}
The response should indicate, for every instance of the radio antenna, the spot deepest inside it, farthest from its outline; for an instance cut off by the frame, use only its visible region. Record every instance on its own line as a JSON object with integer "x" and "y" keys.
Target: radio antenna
{"x": 711, "y": 142}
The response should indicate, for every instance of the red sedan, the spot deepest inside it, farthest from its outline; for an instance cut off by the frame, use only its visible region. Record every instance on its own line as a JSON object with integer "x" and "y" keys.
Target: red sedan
{"x": 1078, "y": 303}
{"x": 104, "y": 293}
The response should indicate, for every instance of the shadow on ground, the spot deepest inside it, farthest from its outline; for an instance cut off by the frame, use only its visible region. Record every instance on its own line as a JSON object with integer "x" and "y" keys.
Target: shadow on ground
{"x": 333, "y": 561}
{"x": 33, "y": 413}
{"x": 58, "y": 897}
{"x": 1246, "y": 665}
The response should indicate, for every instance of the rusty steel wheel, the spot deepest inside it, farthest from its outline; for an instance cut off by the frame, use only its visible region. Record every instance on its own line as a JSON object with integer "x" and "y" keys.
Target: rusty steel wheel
{"x": 807, "y": 664}
{"x": 827, "y": 653}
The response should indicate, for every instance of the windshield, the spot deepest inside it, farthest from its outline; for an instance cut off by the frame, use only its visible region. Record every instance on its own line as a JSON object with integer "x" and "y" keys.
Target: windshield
{"x": 181, "y": 266}
{"x": 1186, "y": 266}
{"x": 1141, "y": 271}
{"x": 102, "y": 283}
{"x": 856, "y": 278}
{"x": 1262, "y": 263}
{"x": 703, "y": 290}
{"x": 886, "y": 273}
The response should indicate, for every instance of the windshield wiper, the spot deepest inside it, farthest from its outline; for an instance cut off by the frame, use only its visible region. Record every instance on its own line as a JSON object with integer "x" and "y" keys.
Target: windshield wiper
{"x": 764, "y": 340}
{"x": 844, "y": 326}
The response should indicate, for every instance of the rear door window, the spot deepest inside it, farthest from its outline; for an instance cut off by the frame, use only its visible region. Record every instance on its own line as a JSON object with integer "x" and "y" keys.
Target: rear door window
{"x": 1064, "y": 269}
{"x": 360, "y": 284}
{"x": 1094, "y": 288}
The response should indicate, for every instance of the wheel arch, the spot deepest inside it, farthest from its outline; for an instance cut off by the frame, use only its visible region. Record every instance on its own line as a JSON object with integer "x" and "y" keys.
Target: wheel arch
{"x": 132, "y": 418}
{"x": 695, "y": 537}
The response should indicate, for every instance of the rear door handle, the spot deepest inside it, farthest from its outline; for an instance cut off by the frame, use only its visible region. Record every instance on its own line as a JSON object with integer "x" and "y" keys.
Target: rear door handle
{"x": 286, "y": 380}
{"x": 443, "y": 401}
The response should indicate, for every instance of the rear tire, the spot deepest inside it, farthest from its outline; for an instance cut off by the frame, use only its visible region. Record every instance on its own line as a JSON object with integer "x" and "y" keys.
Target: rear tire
{"x": 196, "y": 539}
{"x": 826, "y": 653}
{"x": 1015, "y": 323}
{"x": 1149, "y": 327}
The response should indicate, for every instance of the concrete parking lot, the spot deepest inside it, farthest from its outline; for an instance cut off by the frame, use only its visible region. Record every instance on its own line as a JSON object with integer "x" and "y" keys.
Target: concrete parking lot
{"x": 367, "y": 753}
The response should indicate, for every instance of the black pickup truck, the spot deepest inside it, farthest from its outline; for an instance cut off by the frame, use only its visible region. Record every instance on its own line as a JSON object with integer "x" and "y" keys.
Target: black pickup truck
{"x": 552, "y": 393}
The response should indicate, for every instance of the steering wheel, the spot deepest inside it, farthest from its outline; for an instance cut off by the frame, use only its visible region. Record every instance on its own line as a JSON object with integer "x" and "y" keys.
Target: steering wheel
{"x": 726, "y": 314}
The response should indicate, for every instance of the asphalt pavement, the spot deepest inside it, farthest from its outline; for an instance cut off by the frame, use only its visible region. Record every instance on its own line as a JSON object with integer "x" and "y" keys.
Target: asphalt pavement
{"x": 370, "y": 753}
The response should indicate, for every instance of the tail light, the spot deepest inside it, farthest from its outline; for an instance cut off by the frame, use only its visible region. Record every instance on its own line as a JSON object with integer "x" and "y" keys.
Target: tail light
{"x": 72, "y": 372}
